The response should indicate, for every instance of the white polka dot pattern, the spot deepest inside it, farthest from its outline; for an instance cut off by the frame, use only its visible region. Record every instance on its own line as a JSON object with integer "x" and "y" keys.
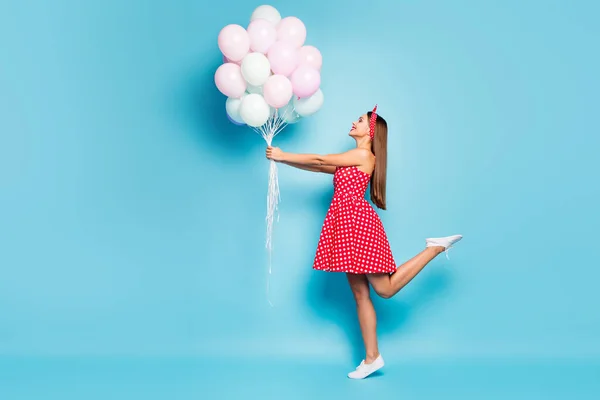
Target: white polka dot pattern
{"x": 352, "y": 238}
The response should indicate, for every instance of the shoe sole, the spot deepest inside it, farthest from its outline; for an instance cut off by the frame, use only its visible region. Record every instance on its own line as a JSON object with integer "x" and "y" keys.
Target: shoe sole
{"x": 369, "y": 374}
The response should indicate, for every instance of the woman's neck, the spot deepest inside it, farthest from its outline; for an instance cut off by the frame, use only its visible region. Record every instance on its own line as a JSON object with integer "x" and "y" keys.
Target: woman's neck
{"x": 363, "y": 143}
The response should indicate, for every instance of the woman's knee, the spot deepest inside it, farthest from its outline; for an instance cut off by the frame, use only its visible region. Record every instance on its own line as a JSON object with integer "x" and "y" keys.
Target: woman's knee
{"x": 382, "y": 287}
{"x": 384, "y": 292}
{"x": 361, "y": 294}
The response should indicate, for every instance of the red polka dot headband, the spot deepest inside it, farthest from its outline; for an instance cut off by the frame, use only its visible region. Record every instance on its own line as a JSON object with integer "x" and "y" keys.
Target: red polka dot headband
{"x": 372, "y": 122}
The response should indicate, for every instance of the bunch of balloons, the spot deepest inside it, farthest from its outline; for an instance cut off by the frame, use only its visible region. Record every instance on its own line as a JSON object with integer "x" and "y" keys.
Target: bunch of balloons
{"x": 269, "y": 75}
{"x": 271, "y": 78}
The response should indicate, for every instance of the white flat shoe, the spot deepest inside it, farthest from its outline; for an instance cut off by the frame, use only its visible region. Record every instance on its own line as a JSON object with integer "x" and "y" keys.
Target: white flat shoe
{"x": 446, "y": 242}
{"x": 364, "y": 369}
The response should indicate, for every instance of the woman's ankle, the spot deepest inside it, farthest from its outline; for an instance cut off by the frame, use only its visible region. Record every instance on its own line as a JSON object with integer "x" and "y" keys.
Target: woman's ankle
{"x": 371, "y": 357}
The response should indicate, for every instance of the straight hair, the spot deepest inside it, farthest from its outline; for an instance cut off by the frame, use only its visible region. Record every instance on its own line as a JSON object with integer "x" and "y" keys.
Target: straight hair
{"x": 379, "y": 149}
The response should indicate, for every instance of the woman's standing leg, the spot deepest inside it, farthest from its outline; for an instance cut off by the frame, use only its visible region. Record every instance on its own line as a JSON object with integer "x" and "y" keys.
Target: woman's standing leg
{"x": 366, "y": 314}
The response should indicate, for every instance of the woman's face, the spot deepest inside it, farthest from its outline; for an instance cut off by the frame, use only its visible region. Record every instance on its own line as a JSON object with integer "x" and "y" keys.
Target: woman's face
{"x": 360, "y": 127}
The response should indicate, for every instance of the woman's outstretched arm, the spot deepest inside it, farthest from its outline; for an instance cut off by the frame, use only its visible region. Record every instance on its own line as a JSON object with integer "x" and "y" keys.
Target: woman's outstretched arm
{"x": 326, "y": 169}
{"x": 350, "y": 158}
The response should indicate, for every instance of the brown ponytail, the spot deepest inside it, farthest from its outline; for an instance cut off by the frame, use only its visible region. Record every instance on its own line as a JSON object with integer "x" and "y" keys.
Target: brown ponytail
{"x": 379, "y": 149}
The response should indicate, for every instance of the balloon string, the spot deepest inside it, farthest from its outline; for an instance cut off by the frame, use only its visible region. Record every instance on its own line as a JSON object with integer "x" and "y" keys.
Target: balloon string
{"x": 268, "y": 132}
{"x": 272, "y": 201}
{"x": 275, "y": 124}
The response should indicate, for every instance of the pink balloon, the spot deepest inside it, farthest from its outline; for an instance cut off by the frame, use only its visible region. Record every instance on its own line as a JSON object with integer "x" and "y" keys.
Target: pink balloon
{"x": 305, "y": 81}
{"x": 262, "y": 35}
{"x": 283, "y": 57}
{"x": 227, "y": 60}
{"x": 312, "y": 56}
{"x": 277, "y": 91}
{"x": 291, "y": 29}
{"x": 234, "y": 42}
{"x": 229, "y": 80}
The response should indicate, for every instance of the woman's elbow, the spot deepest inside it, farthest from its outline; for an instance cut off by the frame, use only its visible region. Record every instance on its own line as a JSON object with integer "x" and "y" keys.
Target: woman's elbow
{"x": 320, "y": 161}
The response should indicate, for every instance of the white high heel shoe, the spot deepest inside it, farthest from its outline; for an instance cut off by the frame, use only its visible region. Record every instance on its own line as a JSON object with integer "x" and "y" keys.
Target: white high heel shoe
{"x": 446, "y": 242}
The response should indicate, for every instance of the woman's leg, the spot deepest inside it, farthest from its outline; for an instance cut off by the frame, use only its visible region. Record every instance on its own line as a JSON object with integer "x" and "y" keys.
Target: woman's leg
{"x": 386, "y": 285}
{"x": 366, "y": 314}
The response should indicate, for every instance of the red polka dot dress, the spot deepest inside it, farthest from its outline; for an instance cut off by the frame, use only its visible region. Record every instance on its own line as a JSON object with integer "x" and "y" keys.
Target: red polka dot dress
{"x": 352, "y": 238}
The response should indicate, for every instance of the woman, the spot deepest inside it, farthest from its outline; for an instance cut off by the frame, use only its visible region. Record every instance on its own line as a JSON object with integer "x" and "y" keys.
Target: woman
{"x": 352, "y": 238}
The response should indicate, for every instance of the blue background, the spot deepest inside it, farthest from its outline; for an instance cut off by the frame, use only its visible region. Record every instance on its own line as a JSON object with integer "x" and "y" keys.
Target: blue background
{"x": 132, "y": 211}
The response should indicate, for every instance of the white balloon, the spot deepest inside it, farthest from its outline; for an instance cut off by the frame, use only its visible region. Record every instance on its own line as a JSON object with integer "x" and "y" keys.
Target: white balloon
{"x": 254, "y": 110}
{"x": 267, "y": 12}
{"x": 256, "y": 68}
{"x": 288, "y": 114}
{"x": 309, "y": 105}
{"x": 232, "y": 106}
{"x": 254, "y": 89}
